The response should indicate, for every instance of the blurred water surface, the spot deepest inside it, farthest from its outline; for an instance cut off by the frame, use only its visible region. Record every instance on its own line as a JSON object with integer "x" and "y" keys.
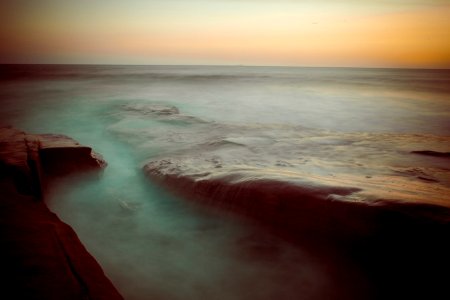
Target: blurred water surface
{"x": 155, "y": 246}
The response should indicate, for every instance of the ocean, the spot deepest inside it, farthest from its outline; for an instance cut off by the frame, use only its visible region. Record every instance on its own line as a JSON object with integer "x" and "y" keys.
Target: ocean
{"x": 341, "y": 125}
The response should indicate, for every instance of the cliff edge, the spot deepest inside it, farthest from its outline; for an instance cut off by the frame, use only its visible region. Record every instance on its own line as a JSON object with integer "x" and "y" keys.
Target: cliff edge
{"x": 42, "y": 257}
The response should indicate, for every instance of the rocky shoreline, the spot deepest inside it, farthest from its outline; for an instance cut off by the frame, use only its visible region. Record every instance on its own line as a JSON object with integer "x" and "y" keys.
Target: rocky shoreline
{"x": 400, "y": 247}
{"x": 41, "y": 256}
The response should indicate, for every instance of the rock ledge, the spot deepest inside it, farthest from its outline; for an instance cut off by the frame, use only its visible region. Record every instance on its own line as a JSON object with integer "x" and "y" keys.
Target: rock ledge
{"x": 42, "y": 257}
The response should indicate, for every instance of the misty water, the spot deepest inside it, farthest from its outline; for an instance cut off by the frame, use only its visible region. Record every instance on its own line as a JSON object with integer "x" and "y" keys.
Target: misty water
{"x": 156, "y": 245}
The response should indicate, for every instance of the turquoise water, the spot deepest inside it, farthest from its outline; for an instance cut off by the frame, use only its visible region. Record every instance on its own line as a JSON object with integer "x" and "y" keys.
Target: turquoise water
{"x": 151, "y": 244}
{"x": 155, "y": 245}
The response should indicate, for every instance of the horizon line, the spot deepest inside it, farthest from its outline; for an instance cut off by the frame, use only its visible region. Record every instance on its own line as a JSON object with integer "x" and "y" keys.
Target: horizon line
{"x": 225, "y": 65}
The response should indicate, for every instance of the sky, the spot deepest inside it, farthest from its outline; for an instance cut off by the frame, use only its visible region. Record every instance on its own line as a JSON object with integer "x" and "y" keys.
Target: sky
{"x": 352, "y": 33}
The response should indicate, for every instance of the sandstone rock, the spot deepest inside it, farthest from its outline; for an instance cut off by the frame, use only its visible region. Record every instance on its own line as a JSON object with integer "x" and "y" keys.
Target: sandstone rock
{"x": 432, "y": 153}
{"x": 40, "y": 256}
{"x": 399, "y": 246}
{"x": 61, "y": 155}
{"x": 30, "y": 158}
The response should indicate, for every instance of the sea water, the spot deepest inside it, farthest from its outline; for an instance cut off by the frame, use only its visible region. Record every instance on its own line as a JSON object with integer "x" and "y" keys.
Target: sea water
{"x": 155, "y": 245}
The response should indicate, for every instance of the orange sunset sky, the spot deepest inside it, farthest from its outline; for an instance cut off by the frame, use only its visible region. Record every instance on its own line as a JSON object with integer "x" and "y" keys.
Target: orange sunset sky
{"x": 397, "y": 33}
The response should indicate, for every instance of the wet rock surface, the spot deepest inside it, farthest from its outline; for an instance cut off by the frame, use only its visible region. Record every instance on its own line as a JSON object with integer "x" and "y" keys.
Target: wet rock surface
{"x": 364, "y": 198}
{"x": 42, "y": 257}
{"x": 432, "y": 153}
{"x": 400, "y": 248}
{"x": 61, "y": 155}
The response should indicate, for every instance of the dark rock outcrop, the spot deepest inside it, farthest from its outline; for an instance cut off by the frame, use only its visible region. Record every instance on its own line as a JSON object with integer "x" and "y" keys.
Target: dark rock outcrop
{"x": 30, "y": 159}
{"x": 400, "y": 247}
{"x": 42, "y": 257}
{"x": 432, "y": 153}
{"x": 62, "y": 155}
